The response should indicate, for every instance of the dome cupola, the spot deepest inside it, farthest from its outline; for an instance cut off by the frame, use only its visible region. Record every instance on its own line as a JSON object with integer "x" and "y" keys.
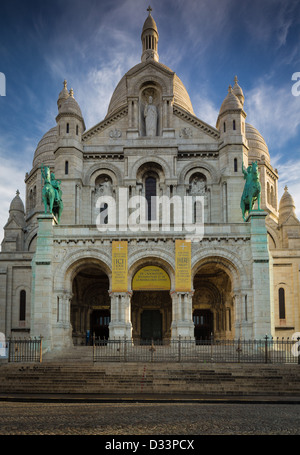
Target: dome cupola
{"x": 149, "y": 39}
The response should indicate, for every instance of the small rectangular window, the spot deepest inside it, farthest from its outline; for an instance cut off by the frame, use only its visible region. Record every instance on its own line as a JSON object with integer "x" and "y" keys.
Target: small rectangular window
{"x": 22, "y": 305}
{"x": 68, "y": 128}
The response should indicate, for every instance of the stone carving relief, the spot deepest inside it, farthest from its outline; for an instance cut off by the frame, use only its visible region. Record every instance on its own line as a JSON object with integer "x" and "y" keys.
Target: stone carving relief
{"x": 186, "y": 133}
{"x": 115, "y": 134}
{"x": 198, "y": 185}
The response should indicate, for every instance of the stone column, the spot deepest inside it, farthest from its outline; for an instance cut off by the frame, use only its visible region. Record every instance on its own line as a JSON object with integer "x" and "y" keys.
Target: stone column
{"x": 261, "y": 287}
{"x": 42, "y": 283}
{"x": 120, "y": 322}
{"x": 62, "y": 330}
{"x": 182, "y": 315}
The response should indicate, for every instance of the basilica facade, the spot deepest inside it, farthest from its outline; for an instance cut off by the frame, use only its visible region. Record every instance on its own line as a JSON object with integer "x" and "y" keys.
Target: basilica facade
{"x": 151, "y": 242}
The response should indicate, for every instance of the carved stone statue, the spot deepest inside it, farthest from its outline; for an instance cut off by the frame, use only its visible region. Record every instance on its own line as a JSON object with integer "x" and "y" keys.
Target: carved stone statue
{"x": 105, "y": 188}
{"x": 150, "y": 114}
{"x": 252, "y": 189}
{"x": 197, "y": 186}
{"x": 51, "y": 193}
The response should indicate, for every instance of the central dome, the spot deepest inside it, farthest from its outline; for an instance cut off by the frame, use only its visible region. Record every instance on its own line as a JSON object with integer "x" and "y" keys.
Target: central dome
{"x": 119, "y": 96}
{"x": 149, "y": 39}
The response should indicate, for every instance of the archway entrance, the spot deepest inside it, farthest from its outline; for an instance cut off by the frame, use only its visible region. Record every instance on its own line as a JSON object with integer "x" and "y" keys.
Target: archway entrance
{"x": 90, "y": 306}
{"x": 213, "y": 311}
{"x": 151, "y": 305}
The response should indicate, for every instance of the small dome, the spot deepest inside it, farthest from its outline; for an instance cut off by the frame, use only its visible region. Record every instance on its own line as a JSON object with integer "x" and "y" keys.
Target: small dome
{"x": 16, "y": 204}
{"x": 70, "y": 106}
{"x": 149, "y": 24}
{"x": 287, "y": 206}
{"x": 238, "y": 92}
{"x": 258, "y": 148}
{"x": 230, "y": 103}
{"x": 46, "y": 147}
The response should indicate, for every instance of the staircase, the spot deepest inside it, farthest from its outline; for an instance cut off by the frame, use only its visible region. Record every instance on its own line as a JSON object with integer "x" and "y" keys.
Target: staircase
{"x": 82, "y": 377}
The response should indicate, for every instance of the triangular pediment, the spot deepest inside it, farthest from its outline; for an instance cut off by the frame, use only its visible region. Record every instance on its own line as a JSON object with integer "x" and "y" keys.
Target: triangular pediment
{"x": 108, "y": 127}
{"x": 190, "y": 121}
{"x": 291, "y": 220}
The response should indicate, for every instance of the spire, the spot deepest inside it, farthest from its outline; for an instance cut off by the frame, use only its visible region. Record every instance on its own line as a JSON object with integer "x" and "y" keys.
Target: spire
{"x": 238, "y": 92}
{"x": 64, "y": 94}
{"x": 149, "y": 38}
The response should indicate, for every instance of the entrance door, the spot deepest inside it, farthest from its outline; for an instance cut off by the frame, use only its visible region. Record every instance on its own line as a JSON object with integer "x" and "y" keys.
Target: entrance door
{"x": 151, "y": 325}
{"x": 203, "y": 321}
{"x": 99, "y": 323}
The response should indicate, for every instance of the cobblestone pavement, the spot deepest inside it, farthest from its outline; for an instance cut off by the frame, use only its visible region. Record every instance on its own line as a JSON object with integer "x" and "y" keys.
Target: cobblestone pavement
{"x": 149, "y": 419}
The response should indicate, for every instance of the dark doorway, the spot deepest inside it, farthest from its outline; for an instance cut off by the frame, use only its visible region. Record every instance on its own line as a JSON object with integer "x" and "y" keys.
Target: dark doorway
{"x": 203, "y": 322}
{"x": 99, "y": 324}
{"x": 151, "y": 325}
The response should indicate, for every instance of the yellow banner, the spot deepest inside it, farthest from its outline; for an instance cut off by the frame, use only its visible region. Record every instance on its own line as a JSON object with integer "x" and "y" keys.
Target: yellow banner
{"x": 119, "y": 266}
{"x": 183, "y": 265}
{"x": 151, "y": 278}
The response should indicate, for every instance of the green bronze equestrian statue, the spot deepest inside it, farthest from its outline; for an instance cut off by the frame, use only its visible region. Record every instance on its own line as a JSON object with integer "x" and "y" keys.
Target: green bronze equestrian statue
{"x": 252, "y": 189}
{"x": 51, "y": 193}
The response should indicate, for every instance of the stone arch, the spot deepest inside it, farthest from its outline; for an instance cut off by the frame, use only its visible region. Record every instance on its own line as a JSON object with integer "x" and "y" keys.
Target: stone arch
{"x": 30, "y": 241}
{"x": 74, "y": 262}
{"x": 150, "y": 159}
{"x": 225, "y": 260}
{"x": 146, "y": 257}
{"x": 97, "y": 169}
{"x": 151, "y": 79}
{"x": 274, "y": 236}
{"x": 207, "y": 170}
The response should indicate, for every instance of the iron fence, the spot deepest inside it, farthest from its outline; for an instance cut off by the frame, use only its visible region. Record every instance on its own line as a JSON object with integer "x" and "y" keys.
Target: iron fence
{"x": 267, "y": 350}
{"x": 21, "y": 350}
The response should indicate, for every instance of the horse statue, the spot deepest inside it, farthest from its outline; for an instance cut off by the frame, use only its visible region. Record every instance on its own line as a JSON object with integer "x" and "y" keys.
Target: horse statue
{"x": 252, "y": 189}
{"x": 51, "y": 193}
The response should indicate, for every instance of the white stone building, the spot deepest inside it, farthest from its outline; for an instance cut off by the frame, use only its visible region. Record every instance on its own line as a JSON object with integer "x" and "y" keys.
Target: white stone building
{"x": 56, "y": 280}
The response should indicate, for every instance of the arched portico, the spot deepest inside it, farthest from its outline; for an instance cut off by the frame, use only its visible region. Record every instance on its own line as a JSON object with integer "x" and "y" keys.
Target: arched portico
{"x": 151, "y": 303}
{"x": 222, "y": 296}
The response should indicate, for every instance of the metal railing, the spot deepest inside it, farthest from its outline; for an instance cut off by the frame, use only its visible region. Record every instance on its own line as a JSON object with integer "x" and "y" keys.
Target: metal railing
{"x": 21, "y": 350}
{"x": 267, "y": 350}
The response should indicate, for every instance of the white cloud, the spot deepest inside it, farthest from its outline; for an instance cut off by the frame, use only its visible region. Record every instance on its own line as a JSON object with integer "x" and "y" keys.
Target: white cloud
{"x": 206, "y": 110}
{"x": 274, "y": 111}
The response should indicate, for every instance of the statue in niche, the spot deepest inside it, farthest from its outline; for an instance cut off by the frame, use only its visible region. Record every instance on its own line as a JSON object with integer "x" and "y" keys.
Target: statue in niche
{"x": 198, "y": 186}
{"x": 105, "y": 188}
{"x": 150, "y": 114}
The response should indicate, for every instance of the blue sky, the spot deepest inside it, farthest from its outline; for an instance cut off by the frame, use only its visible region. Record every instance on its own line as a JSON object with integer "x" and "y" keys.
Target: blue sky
{"x": 93, "y": 43}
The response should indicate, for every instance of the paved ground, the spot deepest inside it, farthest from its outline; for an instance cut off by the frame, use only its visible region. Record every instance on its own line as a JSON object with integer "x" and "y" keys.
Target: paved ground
{"x": 215, "y": 418}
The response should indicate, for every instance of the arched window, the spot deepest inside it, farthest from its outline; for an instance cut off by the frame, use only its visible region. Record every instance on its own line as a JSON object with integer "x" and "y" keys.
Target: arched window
{"x": 150, "y": 193}
{"x": 66, "y": 167}
{"x": 22, "y": 315}
{"x": 68, "y": 128}
{"x": 281, "y": 300}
